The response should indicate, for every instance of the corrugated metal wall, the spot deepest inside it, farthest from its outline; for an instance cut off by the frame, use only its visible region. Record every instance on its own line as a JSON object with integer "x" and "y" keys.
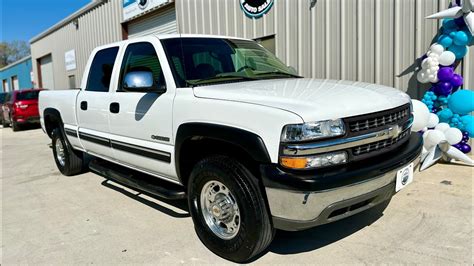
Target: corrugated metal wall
{"x": 375, "y": 41}
{"x": 97, "y": 27}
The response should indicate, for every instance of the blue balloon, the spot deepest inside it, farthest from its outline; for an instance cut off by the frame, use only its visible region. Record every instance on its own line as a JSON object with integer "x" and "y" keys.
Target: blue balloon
{"x": 449, "y": 24}
{"x": 468, "y": 122}
{"x": 445, "y": 115}
{"x": 461, "y": 38}
{"x": 458, "y": 51}
{"x": 445, "y": 41}
{"x": 461, "y": 102}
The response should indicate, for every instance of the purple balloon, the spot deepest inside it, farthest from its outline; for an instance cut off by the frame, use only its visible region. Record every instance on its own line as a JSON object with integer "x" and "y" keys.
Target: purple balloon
{"x": 457, "y": 80}
{"x": 443, "y": 88}
{"x": 460, "y": 21}
{"x": 458, "y": 146}
{"x": 445, "y": 73}
{"x": 465, "y": 148}
{"x": 465, "y": 134}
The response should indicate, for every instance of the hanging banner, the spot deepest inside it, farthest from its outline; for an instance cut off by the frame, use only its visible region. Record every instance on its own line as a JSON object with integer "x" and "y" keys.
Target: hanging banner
{"x": 133, "y": 8}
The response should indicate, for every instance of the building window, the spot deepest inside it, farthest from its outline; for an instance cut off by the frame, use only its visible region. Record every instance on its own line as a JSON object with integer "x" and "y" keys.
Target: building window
{"x": 268, "y": 42}
{"x": 72, "y": 81}
{"x": 15, "y": 83}
{"x": 5, "y": 85}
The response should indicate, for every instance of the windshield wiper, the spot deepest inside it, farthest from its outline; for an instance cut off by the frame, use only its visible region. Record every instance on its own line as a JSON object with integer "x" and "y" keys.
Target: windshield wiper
{"x": 278, "y": 72}
{"x": 219, "y": 78}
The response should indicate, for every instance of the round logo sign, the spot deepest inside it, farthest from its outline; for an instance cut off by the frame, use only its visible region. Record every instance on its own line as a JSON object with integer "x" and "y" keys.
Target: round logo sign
{"x": 405, "y": 176}
{"x": 256, "y": 8}
{"x": 142, "y": 4}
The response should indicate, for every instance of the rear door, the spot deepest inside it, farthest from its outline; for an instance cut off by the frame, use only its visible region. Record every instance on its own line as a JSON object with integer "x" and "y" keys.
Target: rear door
{"x": 92, "y": 105}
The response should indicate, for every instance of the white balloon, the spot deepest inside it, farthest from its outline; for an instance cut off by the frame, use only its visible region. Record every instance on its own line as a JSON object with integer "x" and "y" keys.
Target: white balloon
{"x": 442, "y": 127}
{"x": 426, "y": 63}
{"x": 433, "y": 138}
{"x": 433, "y": 62}
{"x": 447, "y": 58}
{"x": 434, "y": 56}
{"x": 433, "y": 121}
{"x": 437, "y": 49}
{"x": 421, "y": 116}
{"x": 453, "y": 135}
{"x": 422, "y": 76}
{"x": 434, "y": 78}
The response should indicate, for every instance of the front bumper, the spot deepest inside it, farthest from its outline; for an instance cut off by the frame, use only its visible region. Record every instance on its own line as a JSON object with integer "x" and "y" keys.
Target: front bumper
{"x": 302, "y": 200}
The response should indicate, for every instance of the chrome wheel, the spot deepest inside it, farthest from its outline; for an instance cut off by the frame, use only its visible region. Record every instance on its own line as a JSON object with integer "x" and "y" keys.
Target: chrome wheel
{"x": 60, "y": 153}
{"x": 220, "y": 210}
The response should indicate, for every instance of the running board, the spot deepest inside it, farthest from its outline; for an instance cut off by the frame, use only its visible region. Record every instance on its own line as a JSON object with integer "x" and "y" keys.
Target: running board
{"x": 136, "y": 180}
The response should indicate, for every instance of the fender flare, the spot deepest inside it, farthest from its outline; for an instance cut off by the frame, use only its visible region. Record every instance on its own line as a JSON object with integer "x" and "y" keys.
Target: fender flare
{"x": 53, "y": 115}
{"x": 245, "y": 140}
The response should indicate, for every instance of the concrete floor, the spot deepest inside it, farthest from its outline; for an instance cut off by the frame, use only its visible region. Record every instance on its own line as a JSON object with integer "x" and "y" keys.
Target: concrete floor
{"x": 53, "y": 219}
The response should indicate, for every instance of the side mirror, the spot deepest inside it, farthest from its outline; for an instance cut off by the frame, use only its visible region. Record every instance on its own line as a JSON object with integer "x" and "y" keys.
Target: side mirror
{"x": 141, "y": 81}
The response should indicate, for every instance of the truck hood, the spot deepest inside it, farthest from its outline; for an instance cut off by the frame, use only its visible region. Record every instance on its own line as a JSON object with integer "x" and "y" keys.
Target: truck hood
{"x": 311, "y": 99}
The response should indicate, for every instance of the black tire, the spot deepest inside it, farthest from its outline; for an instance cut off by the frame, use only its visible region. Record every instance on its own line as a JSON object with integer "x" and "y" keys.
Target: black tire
{"x": 15, "y": 126}
{"x": 256, "y": 231}
{"x": 73, "y": 160}
{"x": 4, "y": 123}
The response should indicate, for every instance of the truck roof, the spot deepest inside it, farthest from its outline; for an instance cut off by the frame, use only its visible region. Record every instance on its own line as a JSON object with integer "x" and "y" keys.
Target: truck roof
{"x": 169, "y": 36}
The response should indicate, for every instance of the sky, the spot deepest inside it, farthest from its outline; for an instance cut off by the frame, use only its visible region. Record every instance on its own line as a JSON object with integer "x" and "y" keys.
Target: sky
{"x": 24, "y": 19}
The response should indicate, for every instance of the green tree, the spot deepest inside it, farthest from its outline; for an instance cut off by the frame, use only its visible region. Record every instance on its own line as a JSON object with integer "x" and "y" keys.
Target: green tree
{"x": 13, "y": 51}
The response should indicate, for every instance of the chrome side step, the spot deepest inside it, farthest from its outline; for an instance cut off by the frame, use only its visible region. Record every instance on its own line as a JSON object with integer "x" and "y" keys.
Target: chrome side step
{"x": 137, "y": 180}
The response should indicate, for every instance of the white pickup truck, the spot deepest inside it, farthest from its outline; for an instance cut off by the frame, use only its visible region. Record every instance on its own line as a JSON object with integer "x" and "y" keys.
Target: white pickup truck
{"x": 224, "y": 123}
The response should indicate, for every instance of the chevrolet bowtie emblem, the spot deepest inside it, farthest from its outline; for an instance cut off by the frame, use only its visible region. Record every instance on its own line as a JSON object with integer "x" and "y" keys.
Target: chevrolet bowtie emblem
{"x": 394, "y": 131}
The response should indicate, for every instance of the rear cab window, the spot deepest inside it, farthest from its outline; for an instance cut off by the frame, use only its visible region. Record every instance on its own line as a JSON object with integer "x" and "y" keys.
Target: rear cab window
{"x": 100, "y": 73}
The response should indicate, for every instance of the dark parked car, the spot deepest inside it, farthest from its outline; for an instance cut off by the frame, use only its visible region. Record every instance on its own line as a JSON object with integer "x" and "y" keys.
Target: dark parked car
{"x": 21, "y": 108}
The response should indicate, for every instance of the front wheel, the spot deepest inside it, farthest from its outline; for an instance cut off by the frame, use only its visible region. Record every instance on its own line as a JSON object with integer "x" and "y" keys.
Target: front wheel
{"x": 68, "y": 161}
{"x": 228, "y": 210}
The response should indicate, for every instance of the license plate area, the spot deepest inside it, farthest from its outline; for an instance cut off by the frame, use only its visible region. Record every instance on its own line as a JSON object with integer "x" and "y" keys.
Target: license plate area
{"x": 404, "y": 177}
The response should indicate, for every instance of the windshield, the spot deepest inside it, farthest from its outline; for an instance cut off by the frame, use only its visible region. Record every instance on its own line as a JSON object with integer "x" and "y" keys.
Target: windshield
{"x": 30, "y": 95}
{"x": 204, "y": 61}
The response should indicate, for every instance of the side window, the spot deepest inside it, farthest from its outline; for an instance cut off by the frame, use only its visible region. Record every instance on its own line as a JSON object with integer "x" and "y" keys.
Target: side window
{"x": 142, "y": 57}
{"x": 101, "y": 70}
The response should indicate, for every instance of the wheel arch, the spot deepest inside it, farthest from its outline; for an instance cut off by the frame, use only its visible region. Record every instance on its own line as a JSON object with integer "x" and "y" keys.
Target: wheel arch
{"x": 194, "y": 141}
{"x": 52, "y": 119}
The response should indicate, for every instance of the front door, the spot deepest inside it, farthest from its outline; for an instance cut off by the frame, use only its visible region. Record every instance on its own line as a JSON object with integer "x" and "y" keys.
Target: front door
{"x": 141, "y": 122}
{"x": 93, "y": 104}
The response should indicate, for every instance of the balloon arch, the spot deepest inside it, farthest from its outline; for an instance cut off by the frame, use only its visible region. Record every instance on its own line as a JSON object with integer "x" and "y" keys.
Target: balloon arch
{"x": 444, "y": 116}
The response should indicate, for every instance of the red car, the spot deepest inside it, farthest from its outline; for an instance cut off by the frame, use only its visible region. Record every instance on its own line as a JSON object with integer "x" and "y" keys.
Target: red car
{"x": 21, "y": 108}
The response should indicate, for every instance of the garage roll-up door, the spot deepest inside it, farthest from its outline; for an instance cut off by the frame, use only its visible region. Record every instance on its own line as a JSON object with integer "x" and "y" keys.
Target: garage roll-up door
{"x": 160, "y": 23}
{"x": 47, "y": 74}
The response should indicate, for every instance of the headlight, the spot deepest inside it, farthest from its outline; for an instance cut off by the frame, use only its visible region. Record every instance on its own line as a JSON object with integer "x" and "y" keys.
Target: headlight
{"x": 316, "y": 161}
{"x": 313, "y": 130}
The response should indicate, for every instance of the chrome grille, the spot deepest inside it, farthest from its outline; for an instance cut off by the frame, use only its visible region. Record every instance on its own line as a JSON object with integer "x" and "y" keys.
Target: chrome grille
{"x": 380, "y": 120}
{"x": 379, "y": 145}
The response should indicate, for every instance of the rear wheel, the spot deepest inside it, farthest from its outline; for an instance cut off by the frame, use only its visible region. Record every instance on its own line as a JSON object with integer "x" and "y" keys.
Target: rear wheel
{"x": 68, "y": 161}
{"x": 228, "y": 210}
{"x": 15, "y": 126}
